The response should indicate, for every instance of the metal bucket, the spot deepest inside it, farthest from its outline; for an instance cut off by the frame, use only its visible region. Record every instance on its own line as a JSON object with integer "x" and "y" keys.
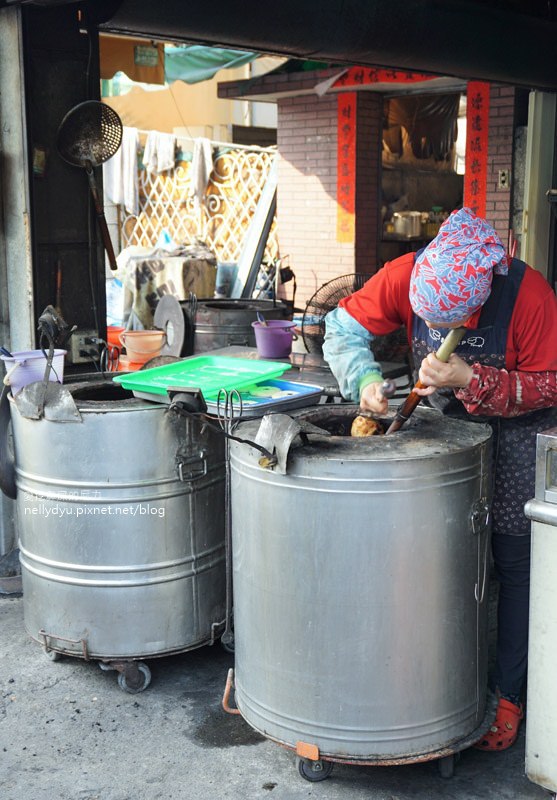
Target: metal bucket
{"x": 360, "y": 589}
{"x": 221, "y": 323}
{"x": 121, "y": 528}
{"x": 408, "y": 223}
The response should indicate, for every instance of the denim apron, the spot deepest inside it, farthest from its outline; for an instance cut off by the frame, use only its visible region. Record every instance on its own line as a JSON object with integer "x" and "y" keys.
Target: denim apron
{"x": 514, "y": 439}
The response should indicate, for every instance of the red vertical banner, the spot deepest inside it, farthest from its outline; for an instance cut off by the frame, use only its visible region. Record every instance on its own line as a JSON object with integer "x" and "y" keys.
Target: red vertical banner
{"x": 477, "y": 129}
{"x": 346, "y": 166}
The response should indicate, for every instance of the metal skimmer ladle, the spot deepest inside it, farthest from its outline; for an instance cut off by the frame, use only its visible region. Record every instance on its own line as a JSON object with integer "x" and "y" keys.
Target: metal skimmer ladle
{"x": 89, "y": 135}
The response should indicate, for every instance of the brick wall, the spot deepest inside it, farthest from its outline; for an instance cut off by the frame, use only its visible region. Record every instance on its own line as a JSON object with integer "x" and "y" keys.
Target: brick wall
{"x": 307, "y": 205}
{"x": 307, "y": 193}
{"x": 306, "y": 198}
{"x": 500, "y": 156}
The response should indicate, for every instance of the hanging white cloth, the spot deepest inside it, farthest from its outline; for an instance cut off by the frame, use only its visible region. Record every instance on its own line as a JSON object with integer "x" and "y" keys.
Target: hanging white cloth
{"x": 120, "y": 179}
{"x": 160, "y": 152}
{"x": 201, "y": 168}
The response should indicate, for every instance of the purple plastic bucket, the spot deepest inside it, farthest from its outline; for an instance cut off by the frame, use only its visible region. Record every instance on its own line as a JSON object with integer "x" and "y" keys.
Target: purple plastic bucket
{"x": 28, "y": 366}
{"x": 274, "y": 340}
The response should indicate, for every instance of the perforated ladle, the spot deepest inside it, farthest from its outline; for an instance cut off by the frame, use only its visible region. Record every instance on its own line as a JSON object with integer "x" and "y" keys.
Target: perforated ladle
{"x": 89, "y": 135}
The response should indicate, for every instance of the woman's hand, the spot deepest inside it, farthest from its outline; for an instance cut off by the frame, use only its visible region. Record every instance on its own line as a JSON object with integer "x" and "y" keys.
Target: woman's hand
{"x": 435, "y": 374}
{"x": 372, "y": 399}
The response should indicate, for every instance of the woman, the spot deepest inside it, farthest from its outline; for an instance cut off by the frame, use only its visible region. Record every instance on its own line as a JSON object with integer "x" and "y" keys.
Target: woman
{"x": 504, "y": 372}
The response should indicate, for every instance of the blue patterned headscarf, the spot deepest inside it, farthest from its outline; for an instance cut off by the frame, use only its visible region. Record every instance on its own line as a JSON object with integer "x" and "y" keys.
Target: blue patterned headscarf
{"x": 452, "y": 276}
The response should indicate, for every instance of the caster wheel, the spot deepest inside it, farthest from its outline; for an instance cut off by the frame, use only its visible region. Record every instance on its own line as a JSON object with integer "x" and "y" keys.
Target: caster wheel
{"x": 135, "y": 678}
{"x": 52, "y": 655}
{"x": 446, "y": 766}
{"x": 228, "y": 644}
{"x": 314, "y": 770}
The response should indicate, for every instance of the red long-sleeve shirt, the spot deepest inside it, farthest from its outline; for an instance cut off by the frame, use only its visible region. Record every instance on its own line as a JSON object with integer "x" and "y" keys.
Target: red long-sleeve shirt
{"x": 529, "y": 380}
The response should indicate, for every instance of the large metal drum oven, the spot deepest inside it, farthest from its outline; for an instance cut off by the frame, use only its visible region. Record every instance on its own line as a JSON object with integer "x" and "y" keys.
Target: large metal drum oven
{"x": 223, "y": 323}
{"x": 199, "y": 326}
{"x": 360, "y": 590}
{"x": 121, "y": 525}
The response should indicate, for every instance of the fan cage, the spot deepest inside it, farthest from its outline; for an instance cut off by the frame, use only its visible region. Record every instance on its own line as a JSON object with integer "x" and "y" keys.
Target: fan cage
{"x": 392, "y": 347}
{"x": 326, "y": 299}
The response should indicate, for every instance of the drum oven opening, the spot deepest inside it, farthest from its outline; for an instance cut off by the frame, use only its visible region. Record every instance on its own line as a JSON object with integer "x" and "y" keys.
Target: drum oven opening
{"x": 337, "y": 421}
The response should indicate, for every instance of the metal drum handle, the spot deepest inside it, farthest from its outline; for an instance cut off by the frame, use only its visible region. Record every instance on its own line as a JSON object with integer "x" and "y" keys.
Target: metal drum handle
{"x": 479, "y": 521}
{"x": 195, "y": 472}
{"x": 479, "y": 517}
{"x": 46, "y": 639}
{"x": 241, "y": 341}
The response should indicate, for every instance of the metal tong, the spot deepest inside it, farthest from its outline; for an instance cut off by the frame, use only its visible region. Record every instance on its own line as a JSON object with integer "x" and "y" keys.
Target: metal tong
{"x": 388, "y": 388}
{"x": 227, "y": 404}
{"x": 448, "y": 346}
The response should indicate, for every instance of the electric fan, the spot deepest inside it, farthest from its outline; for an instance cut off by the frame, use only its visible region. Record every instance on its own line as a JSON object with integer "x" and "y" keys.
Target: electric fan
{"x": 392, "y": 347}
{"x": 325, "y": 299}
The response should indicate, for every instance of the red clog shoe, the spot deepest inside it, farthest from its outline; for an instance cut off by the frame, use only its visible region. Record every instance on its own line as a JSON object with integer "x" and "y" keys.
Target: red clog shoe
{"x": 504, "y": 730}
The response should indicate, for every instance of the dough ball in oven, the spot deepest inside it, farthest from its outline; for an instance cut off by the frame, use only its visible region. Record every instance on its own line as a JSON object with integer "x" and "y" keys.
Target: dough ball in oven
{"x": 365, "y": 426}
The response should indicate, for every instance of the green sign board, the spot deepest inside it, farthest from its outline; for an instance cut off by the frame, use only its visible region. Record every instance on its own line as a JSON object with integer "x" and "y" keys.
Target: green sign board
{"x": 146, "y": 56}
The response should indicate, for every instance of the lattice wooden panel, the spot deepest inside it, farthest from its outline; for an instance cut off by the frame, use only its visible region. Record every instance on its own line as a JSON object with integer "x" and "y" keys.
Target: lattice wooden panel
{"x": 220, "y": 221}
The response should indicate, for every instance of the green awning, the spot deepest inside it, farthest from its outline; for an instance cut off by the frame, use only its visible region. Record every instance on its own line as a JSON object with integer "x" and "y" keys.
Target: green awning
{"x": 195, "y": 63}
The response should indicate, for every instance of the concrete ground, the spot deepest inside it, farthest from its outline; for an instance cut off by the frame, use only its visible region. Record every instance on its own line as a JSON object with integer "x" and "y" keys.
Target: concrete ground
{"x": 68, "y": 731}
